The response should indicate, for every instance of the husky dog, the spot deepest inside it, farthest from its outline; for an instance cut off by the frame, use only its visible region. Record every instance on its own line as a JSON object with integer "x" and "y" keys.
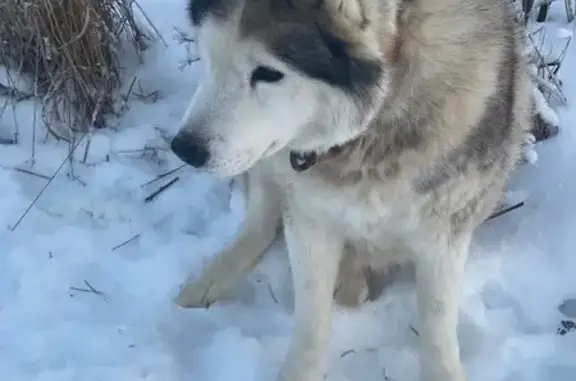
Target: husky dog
{"x": 372, "y": 131}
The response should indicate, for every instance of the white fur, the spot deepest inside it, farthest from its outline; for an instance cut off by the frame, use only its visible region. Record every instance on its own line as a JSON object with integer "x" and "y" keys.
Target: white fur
{"x": 315, "y": 224}
{"x": 244, "y": 125}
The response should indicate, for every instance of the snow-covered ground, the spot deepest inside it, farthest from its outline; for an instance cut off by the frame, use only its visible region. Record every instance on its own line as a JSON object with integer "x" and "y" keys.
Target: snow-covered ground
{"x": 88, "y": 275}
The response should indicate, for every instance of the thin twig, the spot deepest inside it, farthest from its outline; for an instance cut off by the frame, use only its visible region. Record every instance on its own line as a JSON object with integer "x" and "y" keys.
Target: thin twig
{"x": 153, "y": 95}
{"x": 91, "y": 290}
{"x": 272, "y": 293}
{"x": 130, "y": 88}
{"x": 346, "y": 353}
{"x": 161, "y": 189}
{"x": 151, "y": 23}
{"x": 7, "y": 142}
{"x": 552, "y": 78}
{"x": 10, "y": 92}
{"x": 506, "y": 210}
{"x": 34, "y": 111}
{"x": 182, "y": 37}
{"x": 70, "y": 153}
{"x": 87, "y": 149}
{"x": 162, "y": 175}
{"x": 413, "y": 329}
{"x": 29, "y": 172}
{"x": 126, "y": 242}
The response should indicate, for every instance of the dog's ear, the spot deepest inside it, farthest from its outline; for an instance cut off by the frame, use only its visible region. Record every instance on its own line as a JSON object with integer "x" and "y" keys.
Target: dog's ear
{"x": 362, "y": 13}
{"x": 354, "y": 11}
{"x": 375, "y": 20}
{"x": 378, "y": 17}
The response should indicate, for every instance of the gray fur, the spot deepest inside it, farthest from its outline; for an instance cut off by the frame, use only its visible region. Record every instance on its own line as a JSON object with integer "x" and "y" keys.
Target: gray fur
{"x": 485, "y": 146}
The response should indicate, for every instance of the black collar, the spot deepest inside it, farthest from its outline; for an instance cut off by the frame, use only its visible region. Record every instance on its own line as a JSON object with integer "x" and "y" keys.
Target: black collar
{"x": 302, "y": 161}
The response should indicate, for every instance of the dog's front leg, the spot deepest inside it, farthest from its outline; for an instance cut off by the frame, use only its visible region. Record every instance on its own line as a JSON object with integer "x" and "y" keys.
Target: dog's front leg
{"x": 440, "y": 266}
{"x": 258, "y": 230}
{"x": 314, "y": 253}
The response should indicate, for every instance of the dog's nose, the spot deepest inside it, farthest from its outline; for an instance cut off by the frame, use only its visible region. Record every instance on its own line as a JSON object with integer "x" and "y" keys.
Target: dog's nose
{"x": 190, "y": 149}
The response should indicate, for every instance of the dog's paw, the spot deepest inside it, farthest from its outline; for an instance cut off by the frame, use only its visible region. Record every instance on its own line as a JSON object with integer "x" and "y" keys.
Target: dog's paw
{"x": 196, "y": 295}
{"x": 351, "y": 288}
{"x": 352, "y": 292}
{"x": 529, "y": 154}
{"x": 544, "y": 126}
{"x": 356, "y": 286}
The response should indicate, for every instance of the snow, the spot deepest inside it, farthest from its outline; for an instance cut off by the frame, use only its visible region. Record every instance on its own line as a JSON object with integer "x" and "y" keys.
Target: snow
{"x": 88, "y": 275}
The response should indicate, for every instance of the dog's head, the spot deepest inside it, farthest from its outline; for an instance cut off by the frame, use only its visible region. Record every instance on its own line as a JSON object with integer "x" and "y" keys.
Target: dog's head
{"x": 299, "y": 74}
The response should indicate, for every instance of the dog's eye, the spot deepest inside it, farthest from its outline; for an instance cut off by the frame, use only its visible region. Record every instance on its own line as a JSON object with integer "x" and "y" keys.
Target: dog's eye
{"x": 265, "y": 74}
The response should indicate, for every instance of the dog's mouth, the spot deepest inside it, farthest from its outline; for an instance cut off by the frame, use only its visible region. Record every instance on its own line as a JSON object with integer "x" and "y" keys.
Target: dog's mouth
{"x": 241, "y": 163}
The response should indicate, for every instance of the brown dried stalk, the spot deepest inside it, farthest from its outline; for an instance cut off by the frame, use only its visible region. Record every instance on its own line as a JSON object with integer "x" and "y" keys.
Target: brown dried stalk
{"x": 70, "y": 48}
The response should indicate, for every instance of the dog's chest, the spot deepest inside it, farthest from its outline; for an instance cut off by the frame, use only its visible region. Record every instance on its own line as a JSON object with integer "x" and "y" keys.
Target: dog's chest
{"x": 358, "y": 212}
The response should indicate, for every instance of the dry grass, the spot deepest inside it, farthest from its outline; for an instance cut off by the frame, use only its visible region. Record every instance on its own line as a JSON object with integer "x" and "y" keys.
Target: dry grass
{"x": 70, "y": 49}
{"x": 545, "y": 65}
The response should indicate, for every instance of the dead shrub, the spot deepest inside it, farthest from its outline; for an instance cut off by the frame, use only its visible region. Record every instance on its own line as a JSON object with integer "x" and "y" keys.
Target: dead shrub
{"x": 70, "y": 49}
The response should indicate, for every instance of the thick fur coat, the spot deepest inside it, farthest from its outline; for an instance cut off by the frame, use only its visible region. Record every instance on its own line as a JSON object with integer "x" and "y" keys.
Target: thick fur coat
{"x": 375, "y": 132}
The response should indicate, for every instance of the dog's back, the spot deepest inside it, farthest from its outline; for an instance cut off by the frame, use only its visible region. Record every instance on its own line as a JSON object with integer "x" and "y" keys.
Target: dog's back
{"x": 476, "y": 85}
